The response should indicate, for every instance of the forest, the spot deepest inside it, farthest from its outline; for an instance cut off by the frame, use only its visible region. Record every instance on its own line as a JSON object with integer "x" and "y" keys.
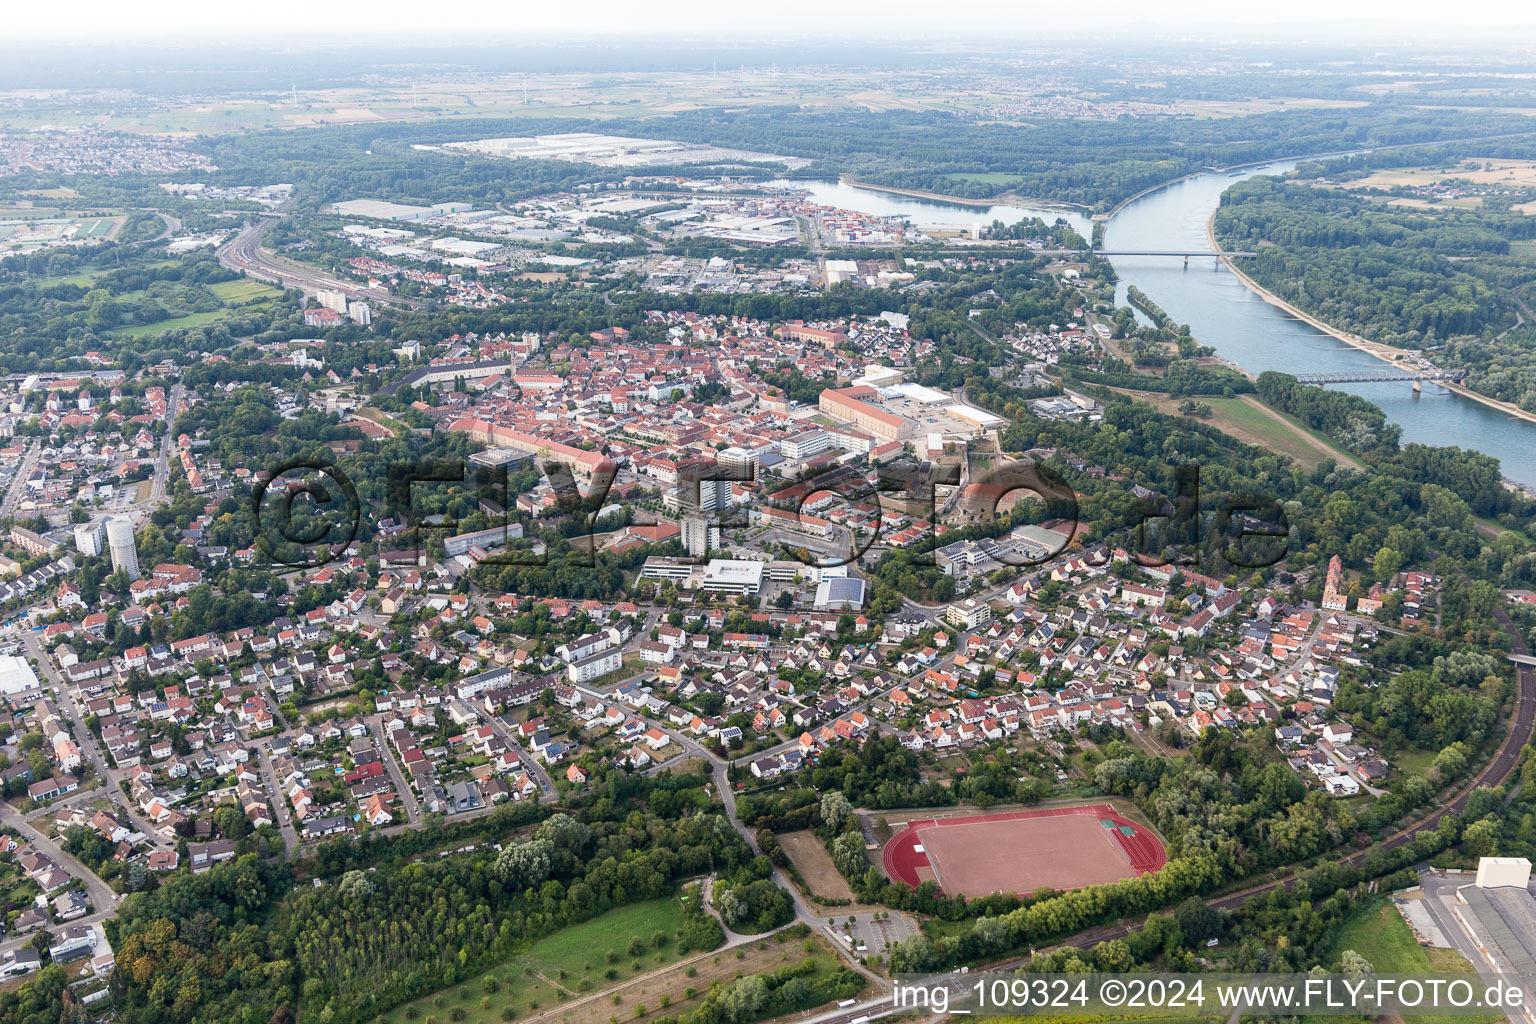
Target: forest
{"x": 1094, "y": 164}
{"x": 242, "y": 944}
{"x": 57, "y": 306}
{"x": 1449, "y": 282}
{"x": 1089, "y": 163}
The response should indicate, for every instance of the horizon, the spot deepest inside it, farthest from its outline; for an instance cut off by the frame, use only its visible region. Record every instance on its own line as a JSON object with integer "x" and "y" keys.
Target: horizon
{"x": 174, "y": 23}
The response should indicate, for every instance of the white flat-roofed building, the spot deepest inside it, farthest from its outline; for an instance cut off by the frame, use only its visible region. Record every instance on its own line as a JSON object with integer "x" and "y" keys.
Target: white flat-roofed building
{"x": 593, "y": 666}
{"x": 877, "y": 376}
{"x": 784, "y": 571}
{"x": 16, "y": 675}
{"x": 721, "y": 575}
{"x": 925, "y": 395}
{"x": 91, "y": 538}
{"x": 496, "y": 536}
{"x": 332, "y": 299}
{"x": 806, "y": 444}
{"x": 379, "y": 210}
{"x": 738, "y": 458}
{"x": 982, "y": 419}
{"x": 1497, "y": 872}
{"x": 661, "y": 567}
{"x": 733, "y": 576}
{"x": 463, "y": 246}
{"x": 969, "y": 614}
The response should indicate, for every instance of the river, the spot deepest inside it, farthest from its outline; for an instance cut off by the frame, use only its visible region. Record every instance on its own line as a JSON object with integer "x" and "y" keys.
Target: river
{"x": 1224, "y": 314}
{"x": 929, "y": 212}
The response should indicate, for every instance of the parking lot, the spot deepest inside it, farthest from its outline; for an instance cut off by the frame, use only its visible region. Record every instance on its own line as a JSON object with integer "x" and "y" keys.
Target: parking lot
{"x": 872, "y": 935}
{"x": 929, "y": 419}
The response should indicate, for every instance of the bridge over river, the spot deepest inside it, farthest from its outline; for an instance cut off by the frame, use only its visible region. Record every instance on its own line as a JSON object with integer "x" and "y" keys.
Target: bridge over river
{"x": 1378, "y": 376}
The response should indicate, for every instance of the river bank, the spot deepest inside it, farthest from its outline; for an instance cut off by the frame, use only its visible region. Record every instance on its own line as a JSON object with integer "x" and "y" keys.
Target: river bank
{"x": 1227, "y": 312}
{"x": 1386, "y": 353}
{"x": 939, "y": 197}
{"x": 1105, "y": 218}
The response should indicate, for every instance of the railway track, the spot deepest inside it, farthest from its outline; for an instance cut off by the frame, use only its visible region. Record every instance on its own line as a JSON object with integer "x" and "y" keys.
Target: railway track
{"x": 1494, "y": 773}
{"x": 244, "y": 253}
{"x": 1497, "y": 771}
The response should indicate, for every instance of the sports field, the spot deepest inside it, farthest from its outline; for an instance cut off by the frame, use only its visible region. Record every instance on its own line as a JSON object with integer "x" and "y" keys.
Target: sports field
{"x": 1023, "y": 851}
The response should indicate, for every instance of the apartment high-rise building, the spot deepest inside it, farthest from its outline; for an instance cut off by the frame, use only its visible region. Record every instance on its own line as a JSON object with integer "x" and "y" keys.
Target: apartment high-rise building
{"x": 332, "y": 299}
{"x": 91, "y": 538}
{"x": 696, "y": 494}
{"x": 701, "y": 535}
{"x": 125, "y": 553}
{"x": 702, "y": 502}
{"x": 739, "y": 461}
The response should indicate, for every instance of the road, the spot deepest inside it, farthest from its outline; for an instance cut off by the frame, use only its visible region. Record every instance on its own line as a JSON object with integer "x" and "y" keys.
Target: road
{"x": 535, "y": 768}
{"x": 87, "y": 743}
{"x": 402, "y": 787}
{"x": 245, "y": 254}
{"x": 100, "y": 895}
{"x": 172, "y": 225}
{"x": 1437, "y": 887}
{"x": 812, "y": 232}
{"x": 1327, "y": 450}
{"x": 18, "y": 484}
{"x": 1495, "y": 773}
{"x": 720, "y": 773}
{"x": 276, "y": 798}
{"x": 102, "y": 898}
{"x": 162, "y": 477}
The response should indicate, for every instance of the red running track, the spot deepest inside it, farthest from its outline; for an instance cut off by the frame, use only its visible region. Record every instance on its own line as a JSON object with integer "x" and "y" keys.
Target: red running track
{"x": 901, "y": 858}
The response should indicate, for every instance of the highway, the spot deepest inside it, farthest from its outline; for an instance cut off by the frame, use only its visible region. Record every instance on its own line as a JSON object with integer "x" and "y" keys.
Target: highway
{"x": 245, "y": 254}
{"x": 172, "y": 225}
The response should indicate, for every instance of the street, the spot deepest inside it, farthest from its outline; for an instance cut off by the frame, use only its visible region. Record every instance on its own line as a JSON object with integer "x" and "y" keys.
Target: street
{"x": 402, "y": 787}
{"x": 18, "y": 484}
{"x": 87, "y": 742}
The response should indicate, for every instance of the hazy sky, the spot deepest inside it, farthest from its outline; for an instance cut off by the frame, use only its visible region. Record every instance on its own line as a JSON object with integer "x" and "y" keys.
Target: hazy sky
{"x": 339, "y": 20}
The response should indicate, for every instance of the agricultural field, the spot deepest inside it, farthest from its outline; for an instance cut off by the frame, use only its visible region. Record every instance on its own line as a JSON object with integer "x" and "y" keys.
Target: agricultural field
{"x": 1263, "y": 105}
{"x": 550, "y": 95}
{"x": 93, "y": 229}
{"x": 1519, "y": 173}
{"x": 23, "y": 229}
